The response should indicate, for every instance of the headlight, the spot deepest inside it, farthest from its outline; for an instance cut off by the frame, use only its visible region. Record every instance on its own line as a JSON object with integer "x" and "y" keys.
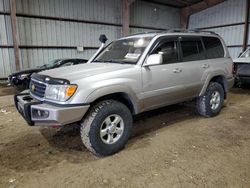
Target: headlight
{"x": 60, "y": 92}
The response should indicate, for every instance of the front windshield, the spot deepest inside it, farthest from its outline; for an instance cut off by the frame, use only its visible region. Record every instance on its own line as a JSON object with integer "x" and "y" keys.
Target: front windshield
{"x": 124, "y": 51}
{"x": 51, "y": 64}
{"x": 246, "y": 54}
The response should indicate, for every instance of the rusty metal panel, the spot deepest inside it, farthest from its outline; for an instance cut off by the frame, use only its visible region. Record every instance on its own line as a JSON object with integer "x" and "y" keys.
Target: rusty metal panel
{"x": 228, "y": 12}
{"x": 154, "y": 15}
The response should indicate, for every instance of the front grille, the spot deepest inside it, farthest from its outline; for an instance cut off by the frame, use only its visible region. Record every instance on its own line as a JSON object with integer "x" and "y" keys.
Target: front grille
{"x": 37, "y": 88}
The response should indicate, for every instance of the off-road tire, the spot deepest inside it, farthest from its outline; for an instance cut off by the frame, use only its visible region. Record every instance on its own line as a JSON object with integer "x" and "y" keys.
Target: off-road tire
{"x": 90, "y": 127}
{"x": 203, "y": 102}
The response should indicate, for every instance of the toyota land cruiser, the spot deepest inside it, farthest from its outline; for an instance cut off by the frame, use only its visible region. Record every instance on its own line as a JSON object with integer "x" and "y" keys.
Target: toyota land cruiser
{"x": 129, "y": 76}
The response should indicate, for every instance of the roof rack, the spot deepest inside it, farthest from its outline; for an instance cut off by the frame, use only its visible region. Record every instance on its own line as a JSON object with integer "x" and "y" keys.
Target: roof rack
{"x": 178, "y": 30}
{"x": 190, "y": 31}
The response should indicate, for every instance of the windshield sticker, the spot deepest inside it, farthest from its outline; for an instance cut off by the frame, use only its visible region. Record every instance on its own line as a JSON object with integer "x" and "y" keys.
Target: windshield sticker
{"x": 132, "y": 56}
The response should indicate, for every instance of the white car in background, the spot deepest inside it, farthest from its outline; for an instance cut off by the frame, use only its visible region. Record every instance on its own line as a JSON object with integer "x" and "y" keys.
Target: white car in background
{"x": 242, "y": 68}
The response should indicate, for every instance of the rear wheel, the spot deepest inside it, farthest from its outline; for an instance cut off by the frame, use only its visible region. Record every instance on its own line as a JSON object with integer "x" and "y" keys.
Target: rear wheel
{"x": 211, "y": 103}
{"x": 106, "y": 128}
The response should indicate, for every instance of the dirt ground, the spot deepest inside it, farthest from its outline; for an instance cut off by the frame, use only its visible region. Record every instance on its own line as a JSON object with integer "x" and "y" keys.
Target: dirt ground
{"x": 170, "y": 147}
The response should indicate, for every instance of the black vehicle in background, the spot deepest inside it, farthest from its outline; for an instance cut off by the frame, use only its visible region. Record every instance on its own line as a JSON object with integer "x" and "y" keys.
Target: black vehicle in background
{"x": 21, "y": 79}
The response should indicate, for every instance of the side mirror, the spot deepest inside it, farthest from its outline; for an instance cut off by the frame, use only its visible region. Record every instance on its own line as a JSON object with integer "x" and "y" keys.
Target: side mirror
{"x": 154, "y": 59}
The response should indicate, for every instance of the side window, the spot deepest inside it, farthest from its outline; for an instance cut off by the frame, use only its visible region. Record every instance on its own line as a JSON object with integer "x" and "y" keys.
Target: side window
{"x": 214, "y": 48}
{"x": 169, "y": 51}
{"x": 192, "y": 50}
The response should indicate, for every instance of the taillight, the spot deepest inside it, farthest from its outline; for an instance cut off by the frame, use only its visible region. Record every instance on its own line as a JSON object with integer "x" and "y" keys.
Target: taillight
{"x": 234, "y": 70}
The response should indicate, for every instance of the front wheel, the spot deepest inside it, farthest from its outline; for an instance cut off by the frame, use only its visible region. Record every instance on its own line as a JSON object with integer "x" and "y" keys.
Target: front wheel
{"x": 106, "y": 128}
{"x": 211, "y": 103}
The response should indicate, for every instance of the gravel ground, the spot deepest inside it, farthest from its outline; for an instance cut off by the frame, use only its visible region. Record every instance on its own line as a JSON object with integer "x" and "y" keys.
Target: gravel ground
{"x": 170, "y": 147}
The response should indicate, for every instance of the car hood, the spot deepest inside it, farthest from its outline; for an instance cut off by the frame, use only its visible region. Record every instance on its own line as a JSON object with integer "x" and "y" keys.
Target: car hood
{"x": 242, "y": 60}
{"x": 28, "y": 71}
{"x": 80, "y": 71}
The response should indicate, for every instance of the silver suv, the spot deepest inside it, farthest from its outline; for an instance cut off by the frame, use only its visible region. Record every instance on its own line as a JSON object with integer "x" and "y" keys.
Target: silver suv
{"x": 129, "y": 76}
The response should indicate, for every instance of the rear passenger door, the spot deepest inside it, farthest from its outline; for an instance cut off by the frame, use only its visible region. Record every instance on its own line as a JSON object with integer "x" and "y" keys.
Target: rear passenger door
{"x": 214, "y": 52}
{"x": 192, "y": 62}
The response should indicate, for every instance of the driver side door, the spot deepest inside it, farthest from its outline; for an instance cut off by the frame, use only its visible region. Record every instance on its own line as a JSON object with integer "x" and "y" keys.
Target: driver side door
{"x": 163, "y": 84}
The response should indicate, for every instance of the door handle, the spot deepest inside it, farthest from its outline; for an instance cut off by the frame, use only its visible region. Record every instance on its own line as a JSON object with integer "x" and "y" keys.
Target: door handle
{"x": 177, "y": 70}
{"x": 205, "y": 66}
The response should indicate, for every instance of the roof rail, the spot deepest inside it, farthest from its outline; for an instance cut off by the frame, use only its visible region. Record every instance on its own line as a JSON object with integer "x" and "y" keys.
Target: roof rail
{"x": 190, "y": 31}
{"x": 203, "y": 31}
{"x": 178, "y": 30}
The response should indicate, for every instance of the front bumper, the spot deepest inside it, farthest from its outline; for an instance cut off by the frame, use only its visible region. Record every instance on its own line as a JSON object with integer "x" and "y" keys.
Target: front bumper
{"x": 40, "y": 113}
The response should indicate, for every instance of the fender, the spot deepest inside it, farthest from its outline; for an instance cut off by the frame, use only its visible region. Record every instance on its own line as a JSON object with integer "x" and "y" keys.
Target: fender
{"x": 209, "y": 76}
{"x": 107, "y": 90}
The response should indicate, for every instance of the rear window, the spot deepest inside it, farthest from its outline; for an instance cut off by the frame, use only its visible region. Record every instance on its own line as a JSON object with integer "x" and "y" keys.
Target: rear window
{"x": 214, "y": 48}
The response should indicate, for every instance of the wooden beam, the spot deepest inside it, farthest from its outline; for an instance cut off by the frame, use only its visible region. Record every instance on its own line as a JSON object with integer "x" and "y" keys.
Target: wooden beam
{"x": 189, "y": 10}
{"x": 125, "y": 17}
{"x": 246, "y": 25}
{"x": 14, "y": 33}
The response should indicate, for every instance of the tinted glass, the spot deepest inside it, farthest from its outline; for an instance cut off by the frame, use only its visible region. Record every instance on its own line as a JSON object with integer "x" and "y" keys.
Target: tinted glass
{"x": 52, "y": 64}
{"x": 168, "y": 50}
{"x": 124, "y": 51}
{"x": 67, "y": 64}
{"x": 192, "y": 50}
{"x": 214, "y": 48}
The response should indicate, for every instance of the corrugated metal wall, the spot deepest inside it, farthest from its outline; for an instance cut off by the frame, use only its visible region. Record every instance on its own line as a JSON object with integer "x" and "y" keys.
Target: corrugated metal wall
{"x": 37, "y": 34}
{"x": 228, "y": 12}
{"x": 45, "y": 32}
{"x": 6, "y": 54}
{"x": 154, "y": 16}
